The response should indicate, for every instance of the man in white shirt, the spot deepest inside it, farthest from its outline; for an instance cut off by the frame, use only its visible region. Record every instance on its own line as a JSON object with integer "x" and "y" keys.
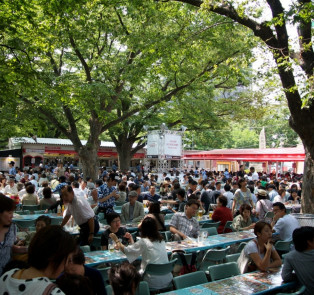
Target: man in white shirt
{"x": 11, "y": 188}
{"x": 82, "y": 213}
{"x": 77, "y": 191}
{"x": 283, "y": 224}
{"x": 254, "y": 174}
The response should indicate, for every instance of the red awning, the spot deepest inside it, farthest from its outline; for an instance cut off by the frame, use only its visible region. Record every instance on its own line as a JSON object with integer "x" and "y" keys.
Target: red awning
{"x": 253, "y": 155}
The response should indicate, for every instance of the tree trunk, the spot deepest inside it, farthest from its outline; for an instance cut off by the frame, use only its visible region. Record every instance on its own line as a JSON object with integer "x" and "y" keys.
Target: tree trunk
{"x": 89, "y": 158}
{"x": 125, "y": 155}
{"x": 308, "y": 184}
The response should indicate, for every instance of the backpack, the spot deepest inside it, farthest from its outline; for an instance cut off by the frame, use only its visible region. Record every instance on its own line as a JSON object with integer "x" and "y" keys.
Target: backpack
{"x": 187, "y": 268}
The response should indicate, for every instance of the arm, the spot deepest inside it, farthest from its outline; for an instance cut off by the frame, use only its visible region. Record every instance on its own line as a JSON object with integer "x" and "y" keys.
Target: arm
{"x": 175, "y": 231}
{"x": 234, "y": 204}
{"x": 264, "y": 264}
{"x": 113, "y": 194}
{"x": 91, "y": 229}
{"x": 141, "y": 216}
{"x": 65, "y": 220}
{"x": 287, "y": 271}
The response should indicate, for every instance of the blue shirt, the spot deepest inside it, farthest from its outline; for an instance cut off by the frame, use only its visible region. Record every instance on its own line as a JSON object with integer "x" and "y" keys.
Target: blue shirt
{"x": 12, "y": 171}
{"x": 103, "y": 191}
{"x": 151, "y": 198}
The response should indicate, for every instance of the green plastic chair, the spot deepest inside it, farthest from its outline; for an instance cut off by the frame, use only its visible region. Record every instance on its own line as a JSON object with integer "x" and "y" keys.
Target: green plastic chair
{"x": 24, "y": 225}
{"x": 228, "y": 225}
{"x": 160, "y": 269}
{"x": 241, "y": 247}
{"x": 167, "y": 235}
{"x": 222, "y": 271}
{"x": 120, "y": 204}
{"x": 283, "y": 246}
{"x": 232, "y": 257}
{"x": 31, "y": 208}
{"x": 299, "y": 292}
{"x": 39, "y": 212}
{"x": 288, "y": 210}
{"x": 211, "y": 224}
{"x": 142, "y": 289}
{"x": 210, "y": 230}
{"x": 212, "y": 257}
{"x": 117, "y": 208}
{"x": 109, "y": 290}
{"x": 104, "y": 273}
{"x": 85, "y": 248}
{"x": 190, "y": 279}
{"x": 168, "y": 216}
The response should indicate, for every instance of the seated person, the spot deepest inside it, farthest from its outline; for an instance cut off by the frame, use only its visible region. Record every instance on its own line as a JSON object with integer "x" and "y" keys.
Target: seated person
{"x": 133, "y": 211}
{"x": 299, "y": 263}
{"x": 152, "y": 248}
{"x": 243, "y": 221}
{"x": 151, "y": 196}
{"x": 283, "y": 224}
{"x": 178, "y": 204}
{"x": 154, "y": 212}
{"x": 183, "y": 225}
{"x": 261, "y": 253}
{"x": 72, "y": 284}
{"x": 30, "y": 198}
{"x": 124, "y": 278}
{"x": 75, "y": 265}
{"x": 222, "y": 214}
{"x": 114, "y": 221}
{"x": 48, "y": 199}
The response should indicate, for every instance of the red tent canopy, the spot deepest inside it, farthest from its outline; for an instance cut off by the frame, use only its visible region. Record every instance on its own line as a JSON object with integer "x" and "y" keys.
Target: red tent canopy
{"x": 252, "y": 155}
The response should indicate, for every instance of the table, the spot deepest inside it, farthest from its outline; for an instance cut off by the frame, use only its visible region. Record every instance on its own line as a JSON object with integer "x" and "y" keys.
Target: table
{"x": 223, "y": 240}
{"x": 35, "y": 216}
{"x": 295, "y": 208}
{"x": 250, "y": 283}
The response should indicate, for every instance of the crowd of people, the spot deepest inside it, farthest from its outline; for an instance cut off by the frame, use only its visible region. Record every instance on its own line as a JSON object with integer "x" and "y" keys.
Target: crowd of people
{"x": 243, "y": 198}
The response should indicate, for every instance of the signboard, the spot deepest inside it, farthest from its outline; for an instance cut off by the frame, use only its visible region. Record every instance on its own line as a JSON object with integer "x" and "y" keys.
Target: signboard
{"x": 152, "y": 144}
{"x": 173, "y": 146}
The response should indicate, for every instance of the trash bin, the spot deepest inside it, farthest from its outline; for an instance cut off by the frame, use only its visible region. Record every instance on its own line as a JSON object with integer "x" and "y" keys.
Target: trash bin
{"x": 304, "y": 219}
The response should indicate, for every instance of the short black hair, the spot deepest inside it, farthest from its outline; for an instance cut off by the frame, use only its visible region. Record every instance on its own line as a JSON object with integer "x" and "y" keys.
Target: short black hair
{"x": 123, "y": 278}
{"x": 78, "y": 257}
{"x": 44, "y": 218}
{"x": 181, "y": 192}
{"x": 62, "y": 178}
{"x": 111, "y": 216}
{"x": 301, "y": 236}
{"x": 44, "y": 250}
{"x": 193, "y": 182}
{"x": 99, "y": 182}
{"x": 223, "y": 200}
{"x": 47, "y": 192}
{"x": 75, "y": 184}
{"x": 227, "y": 187}
{"x": 112, "y": 177}
{"x": 191, "y": 202}
{"x": 6, "y": 203}
{"x": 73, "y": 284}
{"x": 280, "y": 205}
{"x": 30, "y": 189}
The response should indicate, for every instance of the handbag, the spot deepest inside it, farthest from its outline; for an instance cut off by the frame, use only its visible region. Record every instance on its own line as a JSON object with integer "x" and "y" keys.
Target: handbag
{"x": 245, "y": 263}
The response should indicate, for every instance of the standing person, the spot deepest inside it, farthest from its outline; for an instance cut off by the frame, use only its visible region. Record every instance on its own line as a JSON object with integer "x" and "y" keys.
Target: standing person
{"x": 222, "y": 214}
{"x": 283, "y": 224}
{"x": 241, "y": 196}
{"x": 261, "y": 253}
{"x": 82, "y": 213}
{"x": 152, "y": 248}
{"x": 299, "y": 263}
{"x": 263, "y": 205}
{"x": 229, "y": 195}
{"x": 107, "y": 194}
{"x": 47, "y": 254}
{"x": 183, "y": 225}
{"x": 241, "y": 173}
{"x": 12, "y": 171}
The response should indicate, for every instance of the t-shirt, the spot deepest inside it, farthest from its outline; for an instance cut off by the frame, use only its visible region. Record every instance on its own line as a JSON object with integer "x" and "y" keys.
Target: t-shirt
{"x": 251, "y": 247}
{"x": 302, "y": 264}
{"x": 6, "y": 246}
{"x": 222, "y": 214}
{"x": 285, "y": 227}
{"x": 35, "y": 286}
{"x": 120, "y": 233}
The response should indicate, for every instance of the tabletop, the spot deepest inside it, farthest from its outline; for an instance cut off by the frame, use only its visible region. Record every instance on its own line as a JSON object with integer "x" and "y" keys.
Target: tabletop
{"x": 98, "y": 257}
{"x": 34, "y": 216}
{"x": 249, "y": 283}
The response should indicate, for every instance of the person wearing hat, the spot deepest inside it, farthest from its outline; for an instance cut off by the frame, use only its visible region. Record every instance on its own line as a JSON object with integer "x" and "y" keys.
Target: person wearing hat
{"x": 12, "y": 170}
{"x": 133, "y": 211}
{"x": 263, "y": 205}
